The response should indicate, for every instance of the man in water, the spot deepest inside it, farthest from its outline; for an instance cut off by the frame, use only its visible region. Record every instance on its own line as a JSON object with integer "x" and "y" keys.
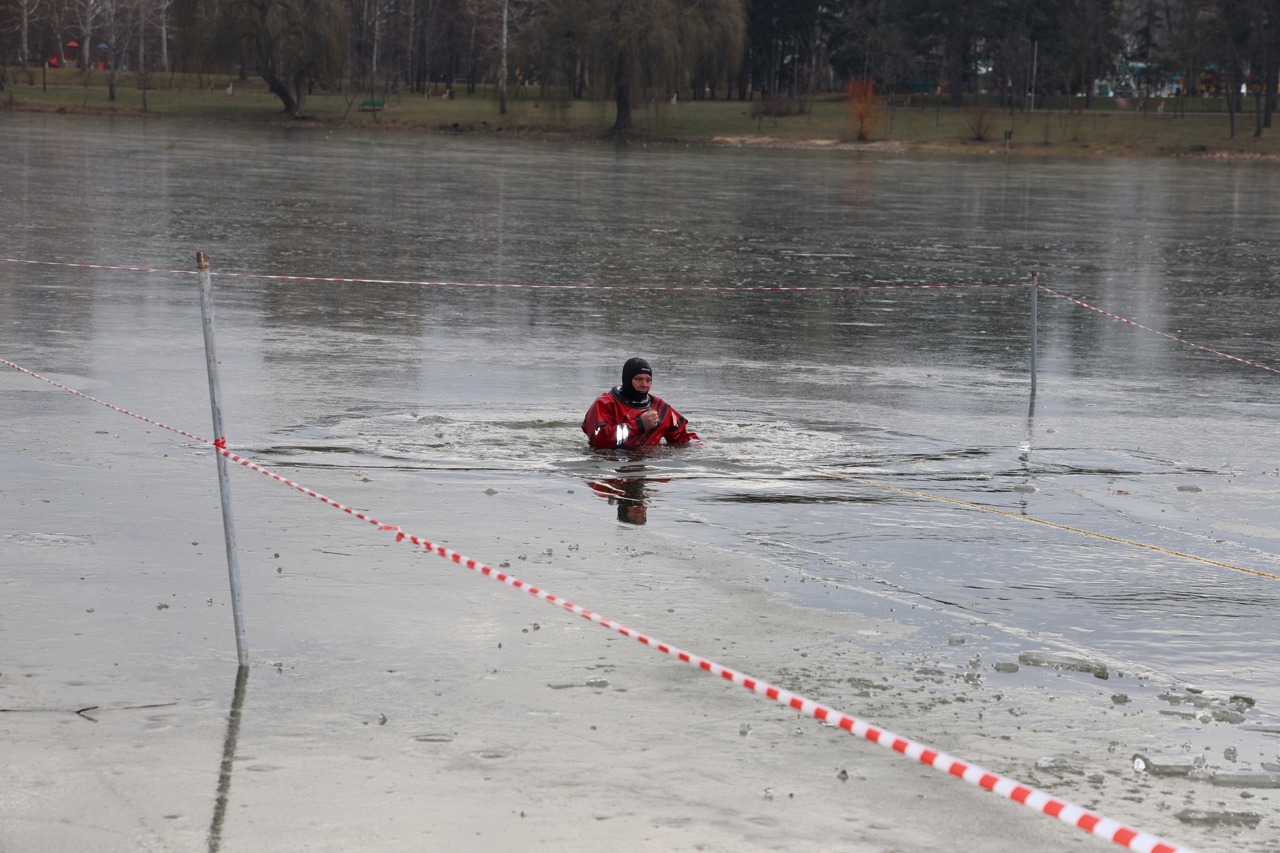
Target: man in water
{"x": 628, "y": 416}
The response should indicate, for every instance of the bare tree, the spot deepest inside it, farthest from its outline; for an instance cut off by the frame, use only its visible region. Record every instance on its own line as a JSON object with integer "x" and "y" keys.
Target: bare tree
{"x": 123, "y": 27}
{"x": 1091, "y": 41}
{"x": 86, "y": 14}
{"x": 163, "y": 10}
{"x": 27, "y": 13}
{"x": 867, "y": 42}
{"x": 654, "y": 46}
{"x": 293, "y": 42}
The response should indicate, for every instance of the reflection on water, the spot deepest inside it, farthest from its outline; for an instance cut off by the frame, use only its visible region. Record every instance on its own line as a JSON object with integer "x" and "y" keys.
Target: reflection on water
{"x": 631, "y": 488}
{"x": 629, "y": 494}
{"x": 228, "y": 759}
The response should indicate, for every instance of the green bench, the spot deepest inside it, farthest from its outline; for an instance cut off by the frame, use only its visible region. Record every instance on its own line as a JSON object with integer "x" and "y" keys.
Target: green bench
{"x": 372, "y": 105}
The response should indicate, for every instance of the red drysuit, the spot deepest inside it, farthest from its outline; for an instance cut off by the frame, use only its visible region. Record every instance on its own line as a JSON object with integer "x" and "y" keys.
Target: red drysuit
{"x": 612, "y": 422}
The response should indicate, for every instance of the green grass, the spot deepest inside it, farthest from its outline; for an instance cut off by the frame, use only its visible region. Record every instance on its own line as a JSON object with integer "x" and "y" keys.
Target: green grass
{"x": 1130, "y": 128}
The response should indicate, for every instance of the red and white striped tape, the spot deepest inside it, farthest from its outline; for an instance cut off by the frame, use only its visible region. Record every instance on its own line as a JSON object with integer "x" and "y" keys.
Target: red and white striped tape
{"x": 1004, "y": 786}
{"x": 776, "y": 288}
{"x": 85, "y": 396}
{"x": 677, "y": 288}
{"x": 1137, "y": 325}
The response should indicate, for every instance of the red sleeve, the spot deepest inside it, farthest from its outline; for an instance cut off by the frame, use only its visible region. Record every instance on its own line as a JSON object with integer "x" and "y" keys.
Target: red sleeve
{"x": 608, "y": 425}
{"x": 677, "y": 429}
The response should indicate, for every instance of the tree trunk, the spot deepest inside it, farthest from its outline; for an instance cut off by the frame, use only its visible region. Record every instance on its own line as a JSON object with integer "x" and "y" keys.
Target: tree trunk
{"x": 1232, "y": 86}
{"x": 502, "y": 70}
{"x": 24, "y": 46}
{"x": 164, "y": 38}
{"x": 622, "y": 97}
{"x": 143, "y": 73}
{"x": 956, "y": 49}
{"x": 300, "y": 90}
{"x": 281, "y": 91}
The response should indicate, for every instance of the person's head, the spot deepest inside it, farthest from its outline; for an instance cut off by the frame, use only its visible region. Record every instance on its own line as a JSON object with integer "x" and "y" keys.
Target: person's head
{"x": 631, "y": 503}
{"x": 632, "y": 513}
{"x": 637, "y": 378}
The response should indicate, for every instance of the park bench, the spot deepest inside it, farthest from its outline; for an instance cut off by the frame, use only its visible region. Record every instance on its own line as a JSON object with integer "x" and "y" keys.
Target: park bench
{"x": 372, "y": 105}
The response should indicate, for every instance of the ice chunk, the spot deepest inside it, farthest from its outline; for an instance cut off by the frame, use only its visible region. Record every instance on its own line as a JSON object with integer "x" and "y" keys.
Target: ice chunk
{"x": 1059, "y": 764}
{"x": 1246, "y": 780}
{"x": 1178, "y": 765}
{"x": 1061, "y": 661}
{"x": 1204, "y": 817}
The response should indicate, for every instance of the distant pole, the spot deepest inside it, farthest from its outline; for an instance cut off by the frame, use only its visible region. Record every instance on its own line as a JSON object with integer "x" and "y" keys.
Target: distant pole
{"x": 224, "y": 484}
{"x": 1035, "y": 292}
{"x": 1031, "y": 96}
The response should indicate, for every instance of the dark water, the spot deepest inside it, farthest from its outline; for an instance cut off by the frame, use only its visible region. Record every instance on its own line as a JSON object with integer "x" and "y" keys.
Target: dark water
{"x": 819, "y": 405}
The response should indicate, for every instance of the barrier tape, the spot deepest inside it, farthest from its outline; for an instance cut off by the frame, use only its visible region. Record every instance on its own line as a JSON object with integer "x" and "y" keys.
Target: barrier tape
{"x": 85, "y": 396}
{"x": 638, "y": 287}
{"x": 1004, "y": 786}
{"x": 1129, "y": 322}
{"x": 1031, "y": 518}
{"x": 627, "y": 287}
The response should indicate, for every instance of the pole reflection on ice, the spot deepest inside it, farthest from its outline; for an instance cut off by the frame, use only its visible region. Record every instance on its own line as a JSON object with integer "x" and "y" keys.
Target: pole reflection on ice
{"x": 228, "y": 759}
{"x": 1024, "y": 456}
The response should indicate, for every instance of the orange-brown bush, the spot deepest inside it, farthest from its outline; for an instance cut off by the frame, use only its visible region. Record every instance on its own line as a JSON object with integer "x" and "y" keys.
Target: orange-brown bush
{"x": 866, "y": 112}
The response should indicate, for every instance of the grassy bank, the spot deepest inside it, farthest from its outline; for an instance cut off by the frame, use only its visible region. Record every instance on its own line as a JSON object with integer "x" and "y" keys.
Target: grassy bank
{"x": 1191, "y": 127}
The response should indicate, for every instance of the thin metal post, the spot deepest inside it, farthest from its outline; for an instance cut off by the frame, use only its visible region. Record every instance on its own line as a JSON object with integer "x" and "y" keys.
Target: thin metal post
{"x": 1035, "y": 293}
{"x": 224, "y": 484}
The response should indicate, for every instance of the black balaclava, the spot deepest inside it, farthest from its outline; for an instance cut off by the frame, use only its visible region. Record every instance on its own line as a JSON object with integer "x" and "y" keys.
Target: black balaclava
{"x": 633, "y": 368}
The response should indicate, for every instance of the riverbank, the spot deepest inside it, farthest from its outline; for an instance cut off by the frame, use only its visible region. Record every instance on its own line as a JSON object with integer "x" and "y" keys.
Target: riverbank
{"x": 1199, "y": 128}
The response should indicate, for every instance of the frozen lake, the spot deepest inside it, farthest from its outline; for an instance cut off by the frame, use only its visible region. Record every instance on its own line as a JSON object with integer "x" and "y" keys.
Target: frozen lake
{"x": 412, "y": 310}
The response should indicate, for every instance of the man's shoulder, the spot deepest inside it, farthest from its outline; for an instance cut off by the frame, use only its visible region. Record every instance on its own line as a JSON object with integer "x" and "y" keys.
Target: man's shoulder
{"x": 614, "y": 395}
{"x": 608, "y": 398}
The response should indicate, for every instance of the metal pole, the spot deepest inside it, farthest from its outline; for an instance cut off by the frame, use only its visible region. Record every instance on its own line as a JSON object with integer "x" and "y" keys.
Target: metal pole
{"x": 224, "y": 484}
{"x": 1035, "y": 292}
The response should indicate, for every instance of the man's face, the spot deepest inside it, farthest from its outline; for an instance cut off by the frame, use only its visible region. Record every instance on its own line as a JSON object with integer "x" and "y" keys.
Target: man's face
{"x": 642, "y": 382}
